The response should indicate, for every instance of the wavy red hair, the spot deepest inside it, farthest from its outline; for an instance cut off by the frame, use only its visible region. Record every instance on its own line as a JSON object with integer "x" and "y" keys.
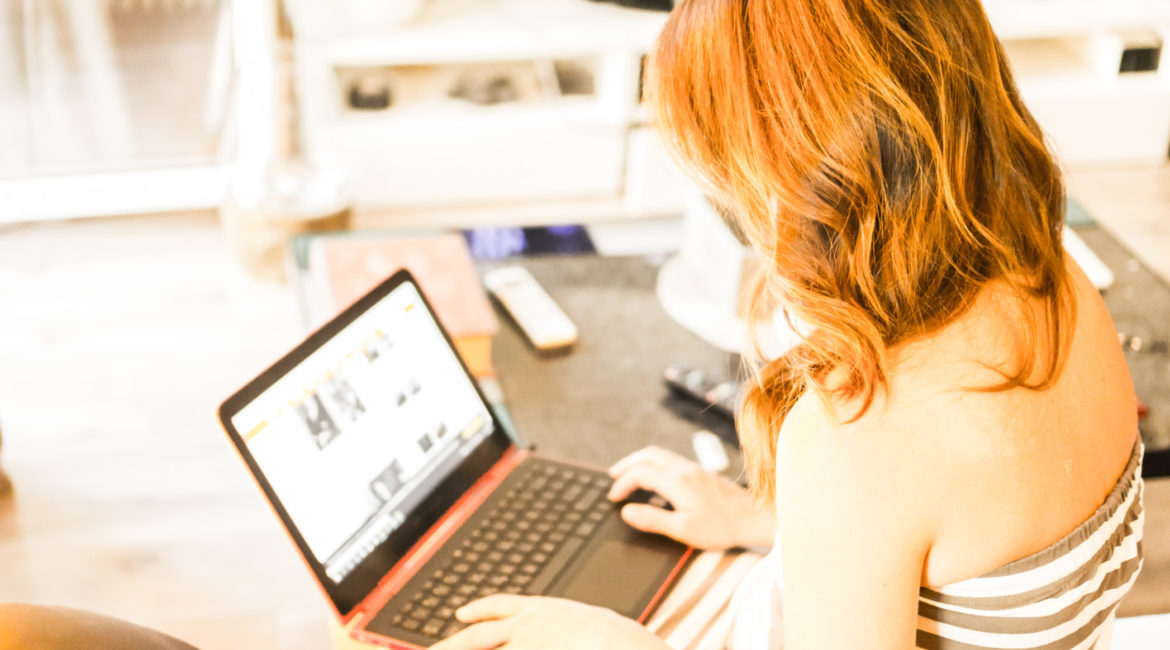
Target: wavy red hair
{"x": 878, "y": 156}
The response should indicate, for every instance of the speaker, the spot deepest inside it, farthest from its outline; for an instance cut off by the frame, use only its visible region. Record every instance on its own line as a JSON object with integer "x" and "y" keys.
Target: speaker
{"x": 657, "y": 5}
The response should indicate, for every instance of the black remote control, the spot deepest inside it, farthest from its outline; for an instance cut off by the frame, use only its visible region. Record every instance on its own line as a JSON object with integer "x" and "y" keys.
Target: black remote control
{"x": 719, "y": 394}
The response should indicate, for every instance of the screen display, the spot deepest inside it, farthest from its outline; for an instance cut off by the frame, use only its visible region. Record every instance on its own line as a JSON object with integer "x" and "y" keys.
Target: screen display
{"x": 354, "y": 437}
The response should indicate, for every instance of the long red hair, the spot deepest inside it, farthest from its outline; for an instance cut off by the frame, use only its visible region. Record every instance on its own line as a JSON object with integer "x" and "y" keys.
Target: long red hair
{"x": 878, "y": 156}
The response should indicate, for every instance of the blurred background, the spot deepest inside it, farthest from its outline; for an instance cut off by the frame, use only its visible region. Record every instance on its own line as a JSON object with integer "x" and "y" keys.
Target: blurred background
{"x": 166, "y": 165}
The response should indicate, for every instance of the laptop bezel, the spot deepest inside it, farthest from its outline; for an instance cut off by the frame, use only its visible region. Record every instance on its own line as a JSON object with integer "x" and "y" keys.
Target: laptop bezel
{"x": 347, "y": 594}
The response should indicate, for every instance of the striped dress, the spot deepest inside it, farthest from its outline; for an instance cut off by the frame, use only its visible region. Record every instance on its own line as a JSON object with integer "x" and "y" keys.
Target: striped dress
{"x": 1061, "y": 598}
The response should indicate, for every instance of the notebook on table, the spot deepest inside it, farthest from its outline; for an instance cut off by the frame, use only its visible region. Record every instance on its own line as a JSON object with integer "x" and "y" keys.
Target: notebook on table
{"x": 403, "y": 494}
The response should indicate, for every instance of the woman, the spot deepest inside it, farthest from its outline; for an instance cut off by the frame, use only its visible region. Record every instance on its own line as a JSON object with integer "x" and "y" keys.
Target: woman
{"x": 950, "y": 458}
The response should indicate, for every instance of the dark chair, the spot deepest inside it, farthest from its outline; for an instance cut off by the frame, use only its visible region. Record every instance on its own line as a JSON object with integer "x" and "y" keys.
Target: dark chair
{"x": 32, "y": 627}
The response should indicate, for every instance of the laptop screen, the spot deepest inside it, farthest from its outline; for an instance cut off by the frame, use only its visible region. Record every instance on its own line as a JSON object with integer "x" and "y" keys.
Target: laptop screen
{"x": 355, "y": 438}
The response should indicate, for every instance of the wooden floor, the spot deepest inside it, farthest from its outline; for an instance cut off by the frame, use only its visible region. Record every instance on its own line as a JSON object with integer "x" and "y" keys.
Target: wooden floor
{"x": 118, "y": 340}
{"x": 119, "y": 337}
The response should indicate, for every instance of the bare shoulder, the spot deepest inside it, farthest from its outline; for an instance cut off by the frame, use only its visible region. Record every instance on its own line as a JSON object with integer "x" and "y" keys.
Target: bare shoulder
{"x": 852, "y": 537}
{"x": 945, "y": 464}
{"x": 888, "y": 434}
{"x": 869, "y": 467}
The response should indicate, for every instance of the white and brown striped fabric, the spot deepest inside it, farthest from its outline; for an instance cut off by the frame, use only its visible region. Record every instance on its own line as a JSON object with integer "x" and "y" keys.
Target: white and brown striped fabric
{"x": 1062, "y": 598}
{"x": 706, "y": 605}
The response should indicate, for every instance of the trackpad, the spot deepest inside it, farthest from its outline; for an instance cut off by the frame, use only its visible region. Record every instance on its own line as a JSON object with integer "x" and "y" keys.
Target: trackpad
{"x": 618, "y": 575}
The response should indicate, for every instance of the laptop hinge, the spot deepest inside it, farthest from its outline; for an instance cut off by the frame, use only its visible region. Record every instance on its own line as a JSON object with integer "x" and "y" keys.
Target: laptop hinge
{"x": 356, "y": 616}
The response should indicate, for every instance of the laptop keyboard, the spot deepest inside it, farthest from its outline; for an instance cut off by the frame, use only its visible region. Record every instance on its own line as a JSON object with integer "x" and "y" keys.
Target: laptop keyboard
{"x": 517, "y": 543}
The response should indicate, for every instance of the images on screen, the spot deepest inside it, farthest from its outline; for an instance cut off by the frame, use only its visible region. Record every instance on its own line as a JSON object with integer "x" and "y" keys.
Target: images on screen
{"x": 355, "y": 436}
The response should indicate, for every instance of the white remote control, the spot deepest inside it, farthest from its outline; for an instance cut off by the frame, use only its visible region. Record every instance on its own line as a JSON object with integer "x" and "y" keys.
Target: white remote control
{"x": 540, "y": 319}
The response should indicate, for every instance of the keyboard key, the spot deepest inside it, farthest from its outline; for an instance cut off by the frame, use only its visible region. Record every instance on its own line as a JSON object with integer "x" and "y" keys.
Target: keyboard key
{"x": 573, "y": 493}
{"x": 433, "y": 627}
{"x": 586, "y": 501}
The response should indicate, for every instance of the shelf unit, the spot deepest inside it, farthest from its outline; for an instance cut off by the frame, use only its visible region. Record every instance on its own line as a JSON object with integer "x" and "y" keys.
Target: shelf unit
{"x": 1026, "y": 19}
{"x": 594, "y": 154}
{"x": 1067, "y": 57}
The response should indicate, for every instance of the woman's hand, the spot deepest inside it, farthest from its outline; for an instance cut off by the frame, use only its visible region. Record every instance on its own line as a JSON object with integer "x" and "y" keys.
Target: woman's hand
{"x": 710, "y": 512}
{"x": 528, "y": 622}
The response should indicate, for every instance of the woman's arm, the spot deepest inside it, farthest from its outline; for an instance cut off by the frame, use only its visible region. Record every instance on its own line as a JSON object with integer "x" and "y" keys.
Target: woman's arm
{"x": 852, "y": 535}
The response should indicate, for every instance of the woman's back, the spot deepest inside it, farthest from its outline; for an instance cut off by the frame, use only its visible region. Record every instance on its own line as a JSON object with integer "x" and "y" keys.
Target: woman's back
{"x": 1015, "y": 471}
{"x": 994, "y": 477}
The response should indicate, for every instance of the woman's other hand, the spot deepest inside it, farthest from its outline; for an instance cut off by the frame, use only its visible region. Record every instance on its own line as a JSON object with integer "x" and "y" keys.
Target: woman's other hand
{"x": 710, "y": 512}
{"x": 536, "y": 623}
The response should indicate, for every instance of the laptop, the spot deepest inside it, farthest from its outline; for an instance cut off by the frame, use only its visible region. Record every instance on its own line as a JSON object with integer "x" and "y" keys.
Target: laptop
{"x": 393, "y": 477}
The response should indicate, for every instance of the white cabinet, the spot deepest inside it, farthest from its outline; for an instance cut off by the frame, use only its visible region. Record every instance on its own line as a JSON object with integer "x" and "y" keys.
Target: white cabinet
{"x": 558, "y": 137}
{"x": 1067, "y": 58}
{"x": 591, "y": 147}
